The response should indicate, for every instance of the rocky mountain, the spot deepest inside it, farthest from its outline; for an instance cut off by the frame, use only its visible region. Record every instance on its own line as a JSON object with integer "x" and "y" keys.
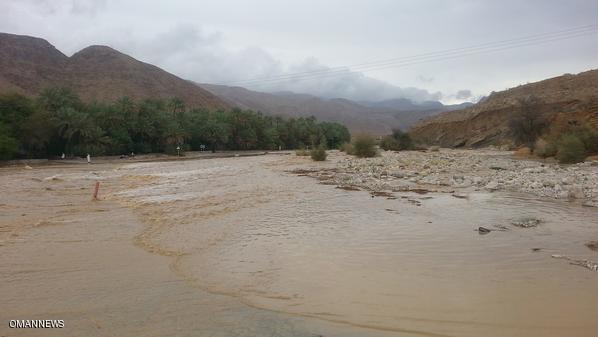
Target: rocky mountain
{"x": 357, "y": 118}
{"x": 360, "y": 117}
{"x": 561, "y": 100}
{"x": 28, "y": 65}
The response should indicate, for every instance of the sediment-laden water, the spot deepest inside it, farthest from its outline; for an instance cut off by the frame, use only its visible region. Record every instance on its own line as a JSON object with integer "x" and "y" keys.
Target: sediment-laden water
{"x": 411, "y": 264}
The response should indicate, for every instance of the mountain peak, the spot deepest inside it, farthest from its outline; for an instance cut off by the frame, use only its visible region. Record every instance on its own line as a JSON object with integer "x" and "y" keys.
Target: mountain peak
{"x": 29, "y": 65}
{"x": 99, "y": 51}
{"x": 15, "y": 40}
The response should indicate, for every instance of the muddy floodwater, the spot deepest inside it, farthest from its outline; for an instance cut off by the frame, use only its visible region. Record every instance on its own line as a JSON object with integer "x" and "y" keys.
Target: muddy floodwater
{"x": 248, "y": 247}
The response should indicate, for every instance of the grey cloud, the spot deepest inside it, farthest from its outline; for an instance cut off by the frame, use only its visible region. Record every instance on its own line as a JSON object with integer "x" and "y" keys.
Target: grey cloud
{"x": 199, "y": 56}
{"x": 191, "y": 53}
{"x": 425, "y": 79}
{"x": 344, "y": 84}
{"x": 463, "y": 94}
{"x": 88, "y": 7}
{"x": 264, "y": 38}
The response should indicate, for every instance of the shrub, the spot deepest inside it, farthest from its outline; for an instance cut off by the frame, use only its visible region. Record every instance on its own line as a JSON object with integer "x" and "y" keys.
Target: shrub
{"x": 523, "y": 152}
{"x": 398, "y": 141}
{"x": 302, "y": 152}
{"x": 8, "y": 144}
{"x": 364, "y": 147}
{"x": 527, "y": 125}
{"x": 347, "y": 148}
{"x": 570, "y": 149}
{"x": 404, "y": 140}
{"x": 545, "y": 149}
{"x": 389, "y": 143}
{"x": 318, "y": 153}
{"x": 589, "y": 138}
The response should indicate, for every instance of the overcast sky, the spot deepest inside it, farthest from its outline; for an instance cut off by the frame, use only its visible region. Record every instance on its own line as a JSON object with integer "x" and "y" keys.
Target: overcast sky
{"x": 234, "y": 40}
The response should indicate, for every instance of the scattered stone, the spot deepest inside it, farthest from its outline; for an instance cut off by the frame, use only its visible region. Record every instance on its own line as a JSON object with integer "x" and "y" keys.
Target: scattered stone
{"x": 419, "y": 190}
{"x": 27, "y": 167}
{"x": 483, "y": 230}
{"x": 485, "y": 169}
{"x": 526, "y": 223}
{"x": 492, "y": 186}
{"x": 575, "y": 192}
{"x": 382, "y": 194}
{"x": 501, "y": 228}
{"x": 538, "y": 169}
{"x": 349, "y": 188}
{"x": 460, "y": 196}
{"x": 593, "y": 245}
{"x": 414, "y": 202}
{"x": 397, "y": 174}
{"x": 302, "y": 171}
{"x": 434, "y": 148}
{"x": 591, "y": 265}
{"x": 536, "y": 249}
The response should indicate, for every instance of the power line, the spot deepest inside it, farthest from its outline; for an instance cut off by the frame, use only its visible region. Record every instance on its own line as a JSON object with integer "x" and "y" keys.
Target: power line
{"x": 409, "y": 63}
{"x": 437, "y": 56}
{"x": 431, "y": 56}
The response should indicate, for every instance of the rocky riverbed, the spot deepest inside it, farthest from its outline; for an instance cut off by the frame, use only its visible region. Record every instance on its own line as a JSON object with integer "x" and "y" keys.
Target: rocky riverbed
{"x": 459, "y": 171}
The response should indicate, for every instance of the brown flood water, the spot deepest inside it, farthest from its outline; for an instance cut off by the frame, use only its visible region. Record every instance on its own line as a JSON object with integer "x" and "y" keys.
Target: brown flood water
{"x": 246, "y": 236}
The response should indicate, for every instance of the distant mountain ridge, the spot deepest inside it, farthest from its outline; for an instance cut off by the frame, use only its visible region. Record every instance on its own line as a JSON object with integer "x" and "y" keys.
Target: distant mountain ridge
{"x": 357, "y": 118}
{"x": 29, "y": 64}
{"x": 561, "y": 100}
{"x": 360, "y": 117}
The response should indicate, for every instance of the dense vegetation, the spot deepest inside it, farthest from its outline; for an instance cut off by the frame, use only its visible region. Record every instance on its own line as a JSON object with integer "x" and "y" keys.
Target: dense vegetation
{"x": 529, "y": 124}
{"x": 571, "y": 145}
{"x": 398, "y": 141}
{"x": 363, "y": 147}
{"x": 318, "y": 153}
{"x": 568, "y": 144}
{"x": 59, "y": 122}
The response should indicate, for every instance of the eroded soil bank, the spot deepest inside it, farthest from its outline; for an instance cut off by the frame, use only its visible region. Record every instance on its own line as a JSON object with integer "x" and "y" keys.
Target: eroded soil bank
{"x": 255, "y": 246}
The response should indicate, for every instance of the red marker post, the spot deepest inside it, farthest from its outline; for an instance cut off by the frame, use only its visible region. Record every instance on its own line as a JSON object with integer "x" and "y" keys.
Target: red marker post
{"x": 96, "y": 190}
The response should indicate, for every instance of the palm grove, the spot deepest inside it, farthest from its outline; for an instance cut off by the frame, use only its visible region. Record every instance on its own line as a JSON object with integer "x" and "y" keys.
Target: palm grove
{"x": 57, "y": 122}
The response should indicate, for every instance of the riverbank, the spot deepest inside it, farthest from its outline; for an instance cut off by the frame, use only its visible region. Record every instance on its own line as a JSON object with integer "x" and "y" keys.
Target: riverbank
{"x": 150, "y": 157}
{"x": 462, "y": 171}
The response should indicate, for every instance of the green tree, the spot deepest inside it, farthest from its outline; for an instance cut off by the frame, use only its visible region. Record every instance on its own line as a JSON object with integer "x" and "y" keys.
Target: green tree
{"x": 570, "y": 149}
{"x": 529, "y": 124}
{"x": 364, "y": 147}
{"x": 8, "y": 144}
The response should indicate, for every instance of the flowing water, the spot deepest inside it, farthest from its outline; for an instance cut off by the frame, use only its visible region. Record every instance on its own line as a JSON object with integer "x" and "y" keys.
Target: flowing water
{"x": 247, "y": 228}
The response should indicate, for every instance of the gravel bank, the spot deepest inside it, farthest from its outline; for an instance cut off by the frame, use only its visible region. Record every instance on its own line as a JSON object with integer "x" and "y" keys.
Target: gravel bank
{"x": 465, "y": 170}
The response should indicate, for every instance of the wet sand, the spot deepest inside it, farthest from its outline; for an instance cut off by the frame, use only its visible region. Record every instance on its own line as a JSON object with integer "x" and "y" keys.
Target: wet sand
{"x": 243, "y": 247}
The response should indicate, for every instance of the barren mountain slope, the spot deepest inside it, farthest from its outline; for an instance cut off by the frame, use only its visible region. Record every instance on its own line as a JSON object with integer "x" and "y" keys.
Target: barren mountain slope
{"x": 29, "y": 65}
{"x": 561, "y": 99}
